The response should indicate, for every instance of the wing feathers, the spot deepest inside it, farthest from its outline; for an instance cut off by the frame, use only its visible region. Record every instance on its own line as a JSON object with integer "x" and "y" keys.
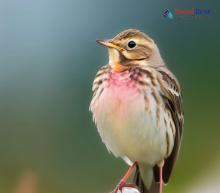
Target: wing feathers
{"x": 171, "y": 94}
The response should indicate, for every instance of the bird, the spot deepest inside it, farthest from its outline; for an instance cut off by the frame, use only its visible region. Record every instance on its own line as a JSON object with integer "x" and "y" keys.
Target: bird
{"x": 137, "y": 108}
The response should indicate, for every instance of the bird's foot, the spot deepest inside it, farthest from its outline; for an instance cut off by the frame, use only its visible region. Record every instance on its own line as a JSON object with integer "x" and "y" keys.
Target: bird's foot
{"x": 123, "y": 181}
{"x": 121, "y": 185}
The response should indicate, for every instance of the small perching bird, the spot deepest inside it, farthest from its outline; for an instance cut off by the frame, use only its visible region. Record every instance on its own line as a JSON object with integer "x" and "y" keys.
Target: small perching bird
{"x": 137, "y": 108}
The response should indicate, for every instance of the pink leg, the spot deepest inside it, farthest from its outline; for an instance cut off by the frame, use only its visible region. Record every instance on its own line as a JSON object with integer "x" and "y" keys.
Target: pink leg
{"x": 123, "y": 181}
{"x": 161, "y": 176}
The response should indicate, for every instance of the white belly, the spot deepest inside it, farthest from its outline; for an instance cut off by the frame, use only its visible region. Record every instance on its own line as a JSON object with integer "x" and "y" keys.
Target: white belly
{"x": 126, "y": 128}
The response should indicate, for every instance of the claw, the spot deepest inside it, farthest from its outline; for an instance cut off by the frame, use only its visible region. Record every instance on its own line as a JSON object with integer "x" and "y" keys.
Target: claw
{"x": 122, "y": 183}
{"x": 119, "y": 187}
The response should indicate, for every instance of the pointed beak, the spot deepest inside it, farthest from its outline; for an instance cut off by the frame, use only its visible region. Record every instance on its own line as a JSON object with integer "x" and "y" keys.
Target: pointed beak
{"x": 109, "y": 44}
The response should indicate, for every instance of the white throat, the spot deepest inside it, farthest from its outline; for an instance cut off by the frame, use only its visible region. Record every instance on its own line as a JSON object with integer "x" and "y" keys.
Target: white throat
{"x": 113, "y": 56}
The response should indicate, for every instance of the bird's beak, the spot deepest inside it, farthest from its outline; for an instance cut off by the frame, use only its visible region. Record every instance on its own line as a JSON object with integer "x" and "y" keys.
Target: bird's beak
{"x": 109, "y": 44}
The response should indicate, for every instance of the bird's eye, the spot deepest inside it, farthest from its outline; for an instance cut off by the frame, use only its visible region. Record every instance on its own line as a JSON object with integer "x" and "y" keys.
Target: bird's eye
{"x": 131, "y": 44}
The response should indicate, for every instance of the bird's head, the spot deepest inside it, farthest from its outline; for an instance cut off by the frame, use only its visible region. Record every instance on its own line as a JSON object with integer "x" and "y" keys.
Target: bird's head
{"x": 131, "y": 47}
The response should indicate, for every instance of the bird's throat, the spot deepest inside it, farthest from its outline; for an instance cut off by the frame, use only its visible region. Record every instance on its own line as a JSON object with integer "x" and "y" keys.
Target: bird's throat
{"x": 117, "y": 67}
{"x": 114, "y": 61}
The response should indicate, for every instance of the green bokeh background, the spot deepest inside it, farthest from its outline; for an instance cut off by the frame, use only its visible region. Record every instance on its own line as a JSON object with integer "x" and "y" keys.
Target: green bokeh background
{"x": 48, "y": 59}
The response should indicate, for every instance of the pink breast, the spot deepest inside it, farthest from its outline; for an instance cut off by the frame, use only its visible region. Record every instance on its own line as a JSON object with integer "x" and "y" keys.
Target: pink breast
{"x": 121, "y": 80}
{"x": 121, "y": 89}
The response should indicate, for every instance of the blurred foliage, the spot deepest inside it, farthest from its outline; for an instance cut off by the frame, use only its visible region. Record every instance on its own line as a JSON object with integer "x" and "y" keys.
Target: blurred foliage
{"x": 48, "y": 60}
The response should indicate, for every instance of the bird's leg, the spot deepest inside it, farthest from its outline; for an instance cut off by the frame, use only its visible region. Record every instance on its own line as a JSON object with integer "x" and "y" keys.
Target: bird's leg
{"x": 161, "y": 176}
{"x": 123, "y": 181}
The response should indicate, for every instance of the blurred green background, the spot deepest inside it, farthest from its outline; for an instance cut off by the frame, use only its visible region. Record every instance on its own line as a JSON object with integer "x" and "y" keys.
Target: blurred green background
{"x": 48, "y": 59}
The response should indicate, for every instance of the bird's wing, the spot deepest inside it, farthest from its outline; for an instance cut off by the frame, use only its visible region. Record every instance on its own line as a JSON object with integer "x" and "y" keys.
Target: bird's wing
{"x": 171, "y": 94}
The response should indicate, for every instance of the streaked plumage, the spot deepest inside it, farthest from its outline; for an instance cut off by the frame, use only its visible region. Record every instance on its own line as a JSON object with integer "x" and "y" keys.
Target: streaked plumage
{"x": 137, "y": 107}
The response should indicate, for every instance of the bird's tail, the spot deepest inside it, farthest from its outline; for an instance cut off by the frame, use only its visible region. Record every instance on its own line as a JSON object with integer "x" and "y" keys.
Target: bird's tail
{"x": 144, "y": 180}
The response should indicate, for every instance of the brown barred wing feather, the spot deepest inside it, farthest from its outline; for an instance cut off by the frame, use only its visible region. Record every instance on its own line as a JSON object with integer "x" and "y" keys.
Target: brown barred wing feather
{"x": 171, "y": 94}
